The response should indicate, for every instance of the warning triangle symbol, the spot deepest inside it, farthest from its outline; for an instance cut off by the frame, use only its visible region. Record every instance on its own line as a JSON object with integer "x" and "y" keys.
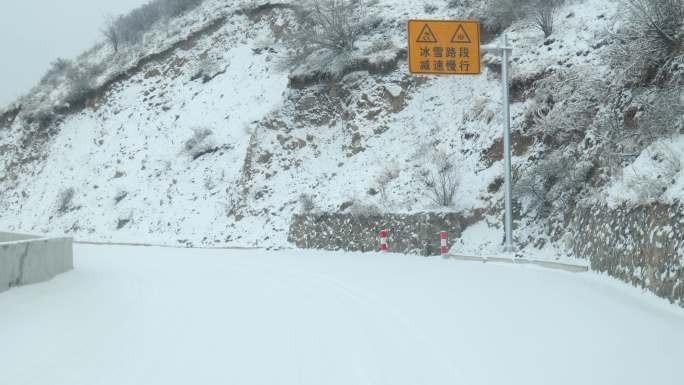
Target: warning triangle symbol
{"x": 461, "y": 36}
{"x": 426, "y": 35}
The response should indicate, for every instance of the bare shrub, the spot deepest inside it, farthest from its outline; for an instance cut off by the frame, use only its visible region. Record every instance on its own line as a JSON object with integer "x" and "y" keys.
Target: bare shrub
{"x": 111, "y": 33}
{"x": 649, "y": 36}
{"x": 440, "y": 179}
{"x": 384, "y": 178}
{"x": 201, "y": 143}
{"x": 543, "y": 15}
{"x": 65, "y": 200}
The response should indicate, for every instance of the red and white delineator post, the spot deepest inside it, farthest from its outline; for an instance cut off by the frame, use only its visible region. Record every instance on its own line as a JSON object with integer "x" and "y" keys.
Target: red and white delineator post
{"x": 383, "y": 241}
{"x": 443, "y": 236}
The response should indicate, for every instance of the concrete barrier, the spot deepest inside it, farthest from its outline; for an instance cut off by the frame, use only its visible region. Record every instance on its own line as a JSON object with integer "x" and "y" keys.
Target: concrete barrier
{"x": 27, "y": 259}
{"x": 520, "y": 261}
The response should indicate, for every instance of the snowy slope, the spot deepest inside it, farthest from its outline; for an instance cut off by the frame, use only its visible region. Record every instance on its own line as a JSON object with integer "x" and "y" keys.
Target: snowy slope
{"x": 163, "y": 316}
{"x": 331, "y": 141}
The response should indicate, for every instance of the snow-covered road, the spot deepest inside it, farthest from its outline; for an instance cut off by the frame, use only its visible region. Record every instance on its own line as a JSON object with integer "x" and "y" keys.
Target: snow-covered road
{"x": 151, "y": 316}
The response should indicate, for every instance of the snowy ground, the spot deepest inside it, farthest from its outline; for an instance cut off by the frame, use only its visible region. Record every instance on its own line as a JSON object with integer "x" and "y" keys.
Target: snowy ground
{"x": 166, "y": 316}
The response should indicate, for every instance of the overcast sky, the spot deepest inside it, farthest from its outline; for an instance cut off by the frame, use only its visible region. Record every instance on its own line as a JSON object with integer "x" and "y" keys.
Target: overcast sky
{"x": 33, "y": 33}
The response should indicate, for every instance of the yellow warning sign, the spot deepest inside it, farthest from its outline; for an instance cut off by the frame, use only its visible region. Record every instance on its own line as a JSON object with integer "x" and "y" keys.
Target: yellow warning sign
{"x": 442, "y": 47}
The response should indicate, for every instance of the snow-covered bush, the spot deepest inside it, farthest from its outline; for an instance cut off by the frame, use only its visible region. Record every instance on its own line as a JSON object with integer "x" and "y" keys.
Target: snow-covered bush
{"x": 652, "y": 114}
{"x": 650, "y": 34}
{"x": 41, "y": 117}
{"x": 553, "y": 182}
{"x": 80, "y": 83}
{"x": 232, "y": 204}
{"x": 498, "y": 15}
{"x": 65, "y": 200}
{"x": 207, "y": 68}
{"x": 567, "y": 103}
{"x": 326, "y": 35}
{"x": 663, "y": 113}
{"x": 119, "y": 196}
{"x": 173, "y": 8}
{"x": 306, "y": 203}
{"x": 440, "y": 179}
{"x": 430, "y": 8}
{"x": 57, "y": 70}
{"x": 201, "y": 143}
{"x": 130, "y": 28}
{"x": 650, "y": 175}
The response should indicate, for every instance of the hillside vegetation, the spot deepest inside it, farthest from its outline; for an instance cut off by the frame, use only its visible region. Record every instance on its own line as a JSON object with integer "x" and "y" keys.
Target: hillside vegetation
{"x": 212, "y": 122}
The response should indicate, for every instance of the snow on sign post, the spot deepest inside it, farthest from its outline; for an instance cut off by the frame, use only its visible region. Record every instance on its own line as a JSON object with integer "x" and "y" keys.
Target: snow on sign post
{"x": 440, "y": 47}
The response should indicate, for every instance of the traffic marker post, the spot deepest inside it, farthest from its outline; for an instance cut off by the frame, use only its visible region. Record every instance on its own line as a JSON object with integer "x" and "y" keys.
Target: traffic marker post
{"x": 444, "y": 248}
{"x": 383, "y": 241}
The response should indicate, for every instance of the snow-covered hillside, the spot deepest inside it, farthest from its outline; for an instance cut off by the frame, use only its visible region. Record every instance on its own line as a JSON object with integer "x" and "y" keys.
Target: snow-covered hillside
{"x": 357, "y": 143}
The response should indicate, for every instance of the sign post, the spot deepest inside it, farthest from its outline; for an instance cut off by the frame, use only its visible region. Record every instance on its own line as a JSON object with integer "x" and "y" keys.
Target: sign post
{"x": 508, "y": 174}
{"x": 438, "y": 47}
{"x": 505, "y": 52}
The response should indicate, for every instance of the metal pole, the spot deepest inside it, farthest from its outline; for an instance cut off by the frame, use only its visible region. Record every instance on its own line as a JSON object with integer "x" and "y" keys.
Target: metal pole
{"x": 508, "y": 247}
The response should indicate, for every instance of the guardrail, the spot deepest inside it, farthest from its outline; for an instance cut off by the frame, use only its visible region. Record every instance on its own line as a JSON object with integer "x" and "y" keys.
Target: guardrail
{"x": 521, "y": 261}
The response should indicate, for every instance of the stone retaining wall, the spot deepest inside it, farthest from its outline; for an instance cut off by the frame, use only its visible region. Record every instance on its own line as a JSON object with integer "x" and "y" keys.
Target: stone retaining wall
{"x": 26, "y": 259}
{"x": 411, "y": 234}
{"x": 642, "y": 245}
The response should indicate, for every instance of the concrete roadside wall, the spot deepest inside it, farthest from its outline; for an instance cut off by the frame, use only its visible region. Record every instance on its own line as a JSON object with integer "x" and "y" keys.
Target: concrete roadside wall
{"x": 26, "y": 259}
